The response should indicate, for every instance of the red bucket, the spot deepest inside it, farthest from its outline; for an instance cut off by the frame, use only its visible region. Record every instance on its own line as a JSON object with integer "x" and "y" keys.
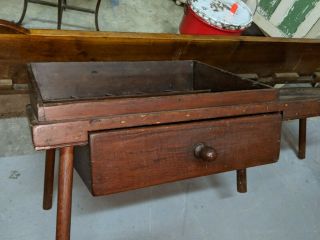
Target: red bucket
{"x": 195, "y": 23}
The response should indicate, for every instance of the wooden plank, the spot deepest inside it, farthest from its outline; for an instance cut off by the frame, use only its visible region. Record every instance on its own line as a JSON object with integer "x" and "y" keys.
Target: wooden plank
{"x": 7, "y": 27}
{"x": 262, "y": 55}
{"x": 100, "y": 108}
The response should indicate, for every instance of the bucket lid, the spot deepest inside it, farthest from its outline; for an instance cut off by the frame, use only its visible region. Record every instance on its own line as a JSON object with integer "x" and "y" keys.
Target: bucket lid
{"x": 224, "y": 14}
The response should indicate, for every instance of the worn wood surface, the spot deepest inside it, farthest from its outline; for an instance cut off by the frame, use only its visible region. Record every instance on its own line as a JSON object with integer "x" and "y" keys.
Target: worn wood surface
{"x": 261, "y": 56}
{"x": 53, "y": 134}
{"x": 112, "y": 107}
{"x": 264, "y": 56}
{"x": 11, "y": 28}
{"x": 71, "y": 81}
{"x": 65, "y": 91}
{"x": 127, "y": 159}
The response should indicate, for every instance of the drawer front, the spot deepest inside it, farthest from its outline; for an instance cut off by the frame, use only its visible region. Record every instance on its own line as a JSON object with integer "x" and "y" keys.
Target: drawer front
{"x": 133, "y": 158}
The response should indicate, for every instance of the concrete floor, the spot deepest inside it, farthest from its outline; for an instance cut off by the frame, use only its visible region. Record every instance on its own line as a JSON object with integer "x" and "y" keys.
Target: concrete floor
{"x": 114, "y": 15}
{"x": 282, "y": 202}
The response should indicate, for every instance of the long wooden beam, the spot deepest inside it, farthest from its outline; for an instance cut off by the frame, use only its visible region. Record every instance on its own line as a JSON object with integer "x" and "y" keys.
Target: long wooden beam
{"x": 263, "y": 56}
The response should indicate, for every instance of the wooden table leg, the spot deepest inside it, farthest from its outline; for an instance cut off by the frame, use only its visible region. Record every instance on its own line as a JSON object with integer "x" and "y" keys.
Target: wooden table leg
{"x": 302, "y": 138}
{"x": 48, "y": 179}
{"x": 242, "y": 180}
{"x": 64, "y": 193}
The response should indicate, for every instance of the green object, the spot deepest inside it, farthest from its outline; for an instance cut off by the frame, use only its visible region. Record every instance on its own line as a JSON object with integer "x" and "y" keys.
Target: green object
{"x": 296, "y": 16}
{"x": 267, "y": 7}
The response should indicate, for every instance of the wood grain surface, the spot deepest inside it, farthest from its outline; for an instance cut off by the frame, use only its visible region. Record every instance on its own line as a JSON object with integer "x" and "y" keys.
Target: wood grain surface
{"x": 263, "y": 56}
{"x": 127, "y": 159}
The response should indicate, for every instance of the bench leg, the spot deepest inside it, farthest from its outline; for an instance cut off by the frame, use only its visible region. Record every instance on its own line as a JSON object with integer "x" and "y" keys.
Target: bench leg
{"x": 64, "y": 194}
{"x": 48, "y": 179}
{"x": 242, "y": 180}
{"x": 302, "y": 138}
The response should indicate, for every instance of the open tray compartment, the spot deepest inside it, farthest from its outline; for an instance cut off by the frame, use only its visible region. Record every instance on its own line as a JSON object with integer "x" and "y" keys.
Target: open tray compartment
{"x": 68, "y": 87}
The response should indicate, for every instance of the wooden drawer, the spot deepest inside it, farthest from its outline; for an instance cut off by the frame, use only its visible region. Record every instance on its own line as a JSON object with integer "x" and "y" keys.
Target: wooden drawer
{"x": 126, "y": 159}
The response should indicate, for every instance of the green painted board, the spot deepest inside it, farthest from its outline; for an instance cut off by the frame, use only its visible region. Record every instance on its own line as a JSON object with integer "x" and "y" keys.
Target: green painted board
{"x": 296, "y": 16}
{"x": 267, "y": 7}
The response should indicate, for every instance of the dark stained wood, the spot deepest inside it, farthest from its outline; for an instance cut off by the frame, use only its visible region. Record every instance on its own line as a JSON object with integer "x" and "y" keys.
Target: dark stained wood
{"x": 302, "y": 138}
{"x": 48, "y": 179}
{"x": 242, "y": 180}
{"x": 16, "y": 72}
{"x": 127, "y": 159}
{"x": 263, "y": 56}
{"x": 223, "y": 81}
{"x": 7, "y": 27}
{"x": 82, "y": 164}
{"x": 64, "y": 193}
{"x": 301, "y": 108}
{"x": 136, "y": 87}
{"x": 123, "y": 106}
{"x": 96, "y": 80}
{"x": 52, "y": 134}
{"x": 71, "y": 81}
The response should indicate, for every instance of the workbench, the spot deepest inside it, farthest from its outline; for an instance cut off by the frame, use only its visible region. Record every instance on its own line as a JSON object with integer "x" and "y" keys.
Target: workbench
{"x": 130, "y": 125}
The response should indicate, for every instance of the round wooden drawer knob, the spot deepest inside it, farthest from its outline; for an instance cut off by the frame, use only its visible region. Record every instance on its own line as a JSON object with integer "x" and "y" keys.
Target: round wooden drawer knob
{"x": 205, "y": 153}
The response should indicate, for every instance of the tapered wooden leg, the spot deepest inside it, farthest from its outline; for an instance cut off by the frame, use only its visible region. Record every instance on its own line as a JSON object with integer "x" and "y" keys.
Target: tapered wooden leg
{"x": 64, "y": 193}
{"x": 302, "y": 138}
{"x": 48, "y": 179}
{"x": 242, "y": 180}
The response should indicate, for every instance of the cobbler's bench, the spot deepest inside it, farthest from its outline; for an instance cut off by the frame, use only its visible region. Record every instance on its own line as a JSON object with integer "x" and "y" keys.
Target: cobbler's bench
{"x": 178, "y": 123}
{"x": 130, "y": 125}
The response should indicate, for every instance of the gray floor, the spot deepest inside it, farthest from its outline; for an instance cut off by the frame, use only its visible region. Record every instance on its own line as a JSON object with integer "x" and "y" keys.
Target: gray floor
{"x": 282, "y": 202}
{"x": 115, "y": 15}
